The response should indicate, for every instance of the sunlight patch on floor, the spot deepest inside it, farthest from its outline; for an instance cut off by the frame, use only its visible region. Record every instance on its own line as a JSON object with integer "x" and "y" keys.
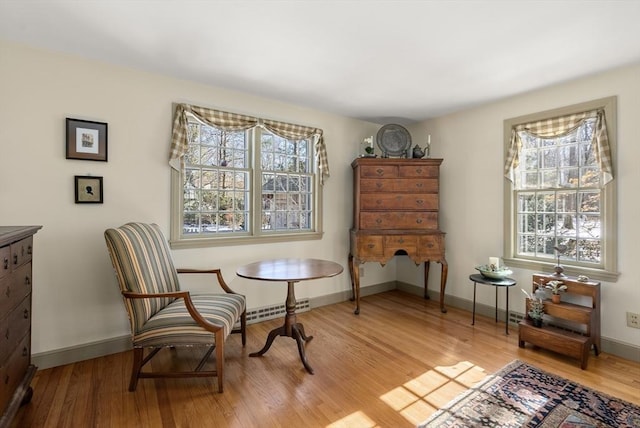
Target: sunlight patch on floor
{"x": 357, "y": 419}
{"x": 423, "y": 395}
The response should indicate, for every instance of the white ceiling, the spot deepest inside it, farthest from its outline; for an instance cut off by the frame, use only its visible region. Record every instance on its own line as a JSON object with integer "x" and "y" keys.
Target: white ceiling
{"x": 384, "y": 61}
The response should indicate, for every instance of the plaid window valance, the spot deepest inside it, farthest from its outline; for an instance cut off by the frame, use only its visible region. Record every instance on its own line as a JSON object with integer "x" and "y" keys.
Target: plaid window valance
{"x": 558, "y": 127}
{"x": 240, "y": 122}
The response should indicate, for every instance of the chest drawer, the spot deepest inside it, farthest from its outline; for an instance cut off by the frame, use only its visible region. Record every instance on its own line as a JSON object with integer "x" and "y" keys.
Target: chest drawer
{"x": 386, "y": 171}
{"x": 406, "y": 185}
{"x": 14, "y": 327}
{"x": 418, "y": 171}
{"x": 14, "y": 288}
{"x": 13, "y": 370}
{"x": 417, "y": 220}
{"x": 431, "y": 246}
{"x": 5, "y": 256}
{"x": 21, "y": 251}
{"x": 394, "y": 243}
{"x": 369, "y": 246}
{"x": 398, "y": 201}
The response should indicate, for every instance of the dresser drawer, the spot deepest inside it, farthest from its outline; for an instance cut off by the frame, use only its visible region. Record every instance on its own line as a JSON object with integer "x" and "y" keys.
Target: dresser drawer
{"x": 431, "y": 246}
{"x": 21, "y": 251}
{"x": 399, "y": 220}
{"x": 386, "y": 171}
{"x": 393, "y": 243}
{"x": 369, "y": 246}
{"x": 5, "y": 265}
{"x": 14, "y": 288}
{"x": 13, "y": 370}
{"x": 418, "y": 171}
{"x": 405, "y": 185}
{"x": 14, "y": 327}
{"x": 398, "y": 201}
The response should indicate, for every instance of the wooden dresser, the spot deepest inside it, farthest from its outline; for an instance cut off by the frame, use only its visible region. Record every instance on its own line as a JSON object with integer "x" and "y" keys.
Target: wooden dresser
{"x": 395, "y": 211}
{"x": 16, "y": 370}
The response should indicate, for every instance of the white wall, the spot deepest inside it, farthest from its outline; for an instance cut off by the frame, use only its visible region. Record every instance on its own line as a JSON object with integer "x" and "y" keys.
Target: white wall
{"x": 75, "y": 297}
{"x": 471, "y": 143}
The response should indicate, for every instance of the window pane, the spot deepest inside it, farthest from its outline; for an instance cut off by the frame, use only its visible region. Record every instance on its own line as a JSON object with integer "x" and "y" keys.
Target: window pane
{"x": 589, "y": 201}
{"x": 590, "y": 177}
{"x": 590, "y": 250}
{"x": 568, "y": 155}
{"x": 566, "y": 202}
{"x": 589, "y": 226}
{"x": 566, "y": 225}
{"x": 530, "y": 180}
{"x": 568, "y": 177}
{"x": 549, "y": 178}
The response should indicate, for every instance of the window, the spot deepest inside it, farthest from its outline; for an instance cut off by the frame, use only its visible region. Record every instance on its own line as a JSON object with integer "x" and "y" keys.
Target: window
{"x": 241, "y": 179}
{"x": 561, "y": 191}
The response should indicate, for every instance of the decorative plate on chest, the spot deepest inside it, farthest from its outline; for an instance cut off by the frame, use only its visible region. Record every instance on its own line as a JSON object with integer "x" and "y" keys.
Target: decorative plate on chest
{"x": 394, "y": 140}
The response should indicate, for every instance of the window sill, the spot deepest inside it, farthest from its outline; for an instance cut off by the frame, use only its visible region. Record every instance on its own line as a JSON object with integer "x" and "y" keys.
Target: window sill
{"x": 539, "y": 266}
{"x": 202, "y": 242}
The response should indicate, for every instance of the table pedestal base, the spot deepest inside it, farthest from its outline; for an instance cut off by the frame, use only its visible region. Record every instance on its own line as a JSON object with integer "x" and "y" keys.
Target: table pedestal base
{"x": 291, "y": 328}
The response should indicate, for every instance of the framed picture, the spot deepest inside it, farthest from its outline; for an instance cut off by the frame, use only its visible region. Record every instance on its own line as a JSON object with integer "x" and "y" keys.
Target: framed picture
{"x": 86, "y": 140}
{"x": 88, "y": 189}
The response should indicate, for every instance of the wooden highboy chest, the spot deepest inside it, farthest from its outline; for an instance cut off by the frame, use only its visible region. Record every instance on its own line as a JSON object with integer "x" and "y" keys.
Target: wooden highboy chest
{"x": 395, "y": 211}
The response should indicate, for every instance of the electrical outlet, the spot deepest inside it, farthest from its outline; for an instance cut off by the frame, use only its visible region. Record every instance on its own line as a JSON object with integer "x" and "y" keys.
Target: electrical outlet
{"x": 633, "y": 320}
{"x": 361, "y": 271}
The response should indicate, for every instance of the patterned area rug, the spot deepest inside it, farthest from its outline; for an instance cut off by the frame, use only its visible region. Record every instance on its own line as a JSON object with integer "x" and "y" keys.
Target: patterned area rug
{"x": 520, "y": 395}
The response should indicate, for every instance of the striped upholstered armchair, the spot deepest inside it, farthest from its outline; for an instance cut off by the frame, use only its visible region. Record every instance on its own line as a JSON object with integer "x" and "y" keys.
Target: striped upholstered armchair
{"x": 162, "y": 315}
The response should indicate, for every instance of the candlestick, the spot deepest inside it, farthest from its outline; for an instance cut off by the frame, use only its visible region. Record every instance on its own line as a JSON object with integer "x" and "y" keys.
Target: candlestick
{"x": 494, "y": 263}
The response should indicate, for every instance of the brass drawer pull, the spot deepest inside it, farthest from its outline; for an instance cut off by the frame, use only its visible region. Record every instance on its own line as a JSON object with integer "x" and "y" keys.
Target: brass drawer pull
{"x": 379, "y": 220}
{"x": 401, "y": 240}
{"x": 15, "y": 259}
{"x": 29, "y": 250}
{"x": 27, "y": 280}
{"x": 6, "y": 263}
{"x": 380, "y": 171}
{"x": 419, "y": 170}
{"x": 419, "y": 220}
{"x": 25, "y": 352}
{"x": 420, "y": 202}
{"x": 26, "y": 314}
{"x": 370, "y": 246}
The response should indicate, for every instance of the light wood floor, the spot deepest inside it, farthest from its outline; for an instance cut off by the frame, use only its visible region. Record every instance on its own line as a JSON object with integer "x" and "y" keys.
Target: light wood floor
{"x": 391, "y": 366}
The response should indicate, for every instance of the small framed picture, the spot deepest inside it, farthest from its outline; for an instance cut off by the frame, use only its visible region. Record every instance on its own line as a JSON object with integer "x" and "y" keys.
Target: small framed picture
{"x": 86, "y": 140}
{"x": 88, "y": 189}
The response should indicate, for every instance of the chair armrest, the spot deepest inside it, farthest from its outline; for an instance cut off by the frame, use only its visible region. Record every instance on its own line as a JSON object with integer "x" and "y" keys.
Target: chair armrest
{"x": 218, "y": 274}
{"x": 174, "y": 294}
{"x": 187, "y": 301}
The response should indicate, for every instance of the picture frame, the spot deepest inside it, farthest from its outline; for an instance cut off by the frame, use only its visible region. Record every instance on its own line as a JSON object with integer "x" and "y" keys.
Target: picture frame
{"x": 88, "y": 189}
{"x": 86, "y": 140}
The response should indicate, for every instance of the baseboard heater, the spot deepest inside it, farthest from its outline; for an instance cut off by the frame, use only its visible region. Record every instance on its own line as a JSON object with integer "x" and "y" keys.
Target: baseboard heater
{"x": 274, "y": 311}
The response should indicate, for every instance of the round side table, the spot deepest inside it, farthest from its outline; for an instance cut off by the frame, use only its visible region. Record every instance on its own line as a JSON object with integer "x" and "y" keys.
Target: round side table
{"x": 505, "y": 283}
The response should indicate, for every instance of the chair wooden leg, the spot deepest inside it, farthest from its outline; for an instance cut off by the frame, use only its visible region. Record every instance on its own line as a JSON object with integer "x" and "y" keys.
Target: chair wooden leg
{"x": 243, "y": 327}
{"x": 138, "y": 354}
{"x": 220, "y": 359}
